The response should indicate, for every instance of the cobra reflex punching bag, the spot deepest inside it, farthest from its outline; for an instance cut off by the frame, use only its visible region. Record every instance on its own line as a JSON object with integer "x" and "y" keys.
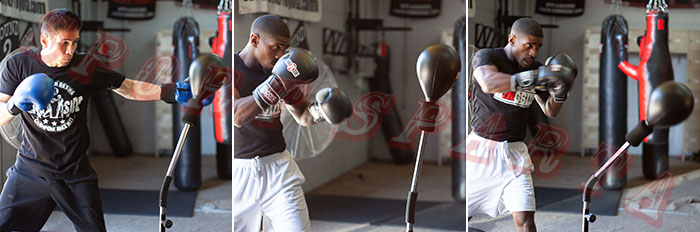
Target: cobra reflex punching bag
{"x": 459, "y": 114}
{"x": 654, "y": 68}
{"x": 613, "y": 98}
{"x": 391, "y": 125}
{"x": 223, "y": 118}
{"x": 188, "y": 174}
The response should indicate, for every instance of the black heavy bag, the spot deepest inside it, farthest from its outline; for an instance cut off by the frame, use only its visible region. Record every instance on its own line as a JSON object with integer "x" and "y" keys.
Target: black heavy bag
{"x": 112, "y": 123}
{"x": 654, "y": 68}
{"x": 391, "y": 125}
{"x": 188, "y": 173}
{"x": 459, "y": 114}
{"x": 223, "y": 99}
{"x": 613, "y": 99}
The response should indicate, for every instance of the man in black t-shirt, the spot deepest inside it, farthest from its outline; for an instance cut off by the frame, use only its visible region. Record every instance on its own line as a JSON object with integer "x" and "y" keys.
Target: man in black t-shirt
{"x": 50, "y": 88}
{"x": 505, "y": 82}
{"x": 266, "y": 179}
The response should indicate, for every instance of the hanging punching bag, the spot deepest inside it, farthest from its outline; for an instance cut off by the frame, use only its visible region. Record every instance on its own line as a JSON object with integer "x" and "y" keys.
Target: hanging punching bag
{"x": 654, "y": 68}
{"x": 112, "y": 123}
{"x": 391, "y": 125}
{"x": 459, "y": 113}
{"x": 188, "y": 174}
{"x": 613, "y": 98}
{"x": 222, "y": 100}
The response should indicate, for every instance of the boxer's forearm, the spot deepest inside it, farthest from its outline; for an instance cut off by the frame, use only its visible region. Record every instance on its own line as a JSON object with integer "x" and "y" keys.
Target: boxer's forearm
{"x": 550, "y": 108}
{"x": 244, "y": 109}
{"x": 138, "y": 90}
{"x": 5, "y": 116}
{"x": 300, "y": 112}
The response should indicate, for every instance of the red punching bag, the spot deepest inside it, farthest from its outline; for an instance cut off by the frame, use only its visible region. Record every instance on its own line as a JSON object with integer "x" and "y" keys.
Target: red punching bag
{"x": 221, "y": 46}
{"x": 654, "y": 68}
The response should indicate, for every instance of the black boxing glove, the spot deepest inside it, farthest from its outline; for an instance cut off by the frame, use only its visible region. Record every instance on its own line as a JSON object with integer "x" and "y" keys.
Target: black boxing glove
{"x": 331, "y": 106}
{"x": 294, "y": 68}
{"x": 561, "y": 88}
{"x": 556, "y": 79}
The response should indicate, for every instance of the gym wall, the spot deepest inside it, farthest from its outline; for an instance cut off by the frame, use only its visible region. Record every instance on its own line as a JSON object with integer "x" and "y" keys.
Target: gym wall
{"x": 341, "y": 155}
{"x": 139, "y": 117}
{"x": 406, "y": 45}
{"x": 570, "y": 38}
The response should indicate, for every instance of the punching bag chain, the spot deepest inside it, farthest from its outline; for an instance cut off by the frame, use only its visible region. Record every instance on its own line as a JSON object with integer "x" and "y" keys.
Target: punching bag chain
{"x": 186, "y": 8}
{"x": 657, "y": 5}
{"x": 224, "y": 5}
{"x": 615, "y": 8}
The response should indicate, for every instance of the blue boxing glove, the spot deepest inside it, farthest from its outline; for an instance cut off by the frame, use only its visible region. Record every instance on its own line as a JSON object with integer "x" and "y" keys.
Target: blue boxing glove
{"x": 208, "y": 100}
{"x": 179, "y": 92}
{"x": 34, "y": 92}
{"x": 183, "y": 93}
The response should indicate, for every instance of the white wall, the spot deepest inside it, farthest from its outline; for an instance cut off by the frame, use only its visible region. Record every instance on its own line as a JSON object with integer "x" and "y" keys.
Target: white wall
{"x": 405, "y": 47}
{"x": 569, "y": 38}
{"x": 341, "y": 155}
{"x": 139, "y": 117}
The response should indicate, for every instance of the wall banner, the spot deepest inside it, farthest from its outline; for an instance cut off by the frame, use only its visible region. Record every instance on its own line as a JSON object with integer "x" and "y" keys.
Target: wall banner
{"x": 9, "y": 37}
{"x": 415, "y": 8}
{"x": 305, "y": 10}
{"x": 27, "y": 10}
{"x": 126, "y": 9}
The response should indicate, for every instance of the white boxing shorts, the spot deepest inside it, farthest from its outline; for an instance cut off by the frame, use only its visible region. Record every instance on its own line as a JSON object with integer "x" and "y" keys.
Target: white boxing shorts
{"x": 269, "y": 186}
{"x": 499, "y": 177}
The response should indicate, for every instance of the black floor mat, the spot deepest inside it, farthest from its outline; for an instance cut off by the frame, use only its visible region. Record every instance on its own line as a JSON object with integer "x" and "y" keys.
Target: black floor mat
{"x": 570, "y": 201}
{"x": 445, "y": 216}
{"x": 375, "y": 211}
{"x": 144, "y": 202}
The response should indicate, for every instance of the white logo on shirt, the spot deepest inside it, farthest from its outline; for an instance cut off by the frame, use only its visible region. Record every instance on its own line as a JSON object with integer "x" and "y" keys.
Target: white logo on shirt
{"x": 60, "y": 113}
{"x": 517, "y": 98}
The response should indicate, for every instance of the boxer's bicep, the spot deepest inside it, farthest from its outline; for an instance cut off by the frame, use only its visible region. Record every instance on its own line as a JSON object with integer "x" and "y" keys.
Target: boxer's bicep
{"x": 491, "y": 80}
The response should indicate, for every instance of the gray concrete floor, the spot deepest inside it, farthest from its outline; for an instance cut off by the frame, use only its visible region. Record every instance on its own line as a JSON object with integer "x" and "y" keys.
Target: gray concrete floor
{"x": 386, "y": 181}
{"x": 679, "y": 212}
{"x": 139, "y": 172}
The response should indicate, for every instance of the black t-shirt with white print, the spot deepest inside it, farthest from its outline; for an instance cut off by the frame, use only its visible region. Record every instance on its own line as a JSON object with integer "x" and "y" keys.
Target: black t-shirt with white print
{"x": 500, "y": 116}
{"x": 56, "y": 139}
{"x": 261, "y": 136}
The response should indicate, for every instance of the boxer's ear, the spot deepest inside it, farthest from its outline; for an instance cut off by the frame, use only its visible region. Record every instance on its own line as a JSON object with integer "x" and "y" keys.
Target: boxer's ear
{"x": 511, "y": 39}
{"x": 254, "y": 39}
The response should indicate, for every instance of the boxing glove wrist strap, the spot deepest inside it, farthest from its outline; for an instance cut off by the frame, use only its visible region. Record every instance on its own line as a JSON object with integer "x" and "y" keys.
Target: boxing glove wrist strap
{"x": 317, "y": 113}
{"x": 167, "y": 93}
{"x": 13, "y": 109}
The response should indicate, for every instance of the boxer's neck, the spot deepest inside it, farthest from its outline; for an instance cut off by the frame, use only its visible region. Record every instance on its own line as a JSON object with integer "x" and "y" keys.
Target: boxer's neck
{"x": 249, "y": 58}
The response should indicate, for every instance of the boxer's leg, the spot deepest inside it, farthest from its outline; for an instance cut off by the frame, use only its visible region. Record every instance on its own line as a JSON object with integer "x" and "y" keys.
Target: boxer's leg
{"x": 485, "y": 168}
{"x": 79, "y": 199}
{"x": 519, "y": 193}
{"x": 284, "y": 202}
{"x": 519, "y": 198}
{"x": 247, "y": 213}
{"x": 25, "y": 203}
{"x": 524, "y": 221}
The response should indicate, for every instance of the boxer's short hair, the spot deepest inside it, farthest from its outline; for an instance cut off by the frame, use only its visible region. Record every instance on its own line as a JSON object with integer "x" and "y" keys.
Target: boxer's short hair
{"x": 527, "y": 26}
{"x": 60, "y": 19}
{"x": 271, "y": 25}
